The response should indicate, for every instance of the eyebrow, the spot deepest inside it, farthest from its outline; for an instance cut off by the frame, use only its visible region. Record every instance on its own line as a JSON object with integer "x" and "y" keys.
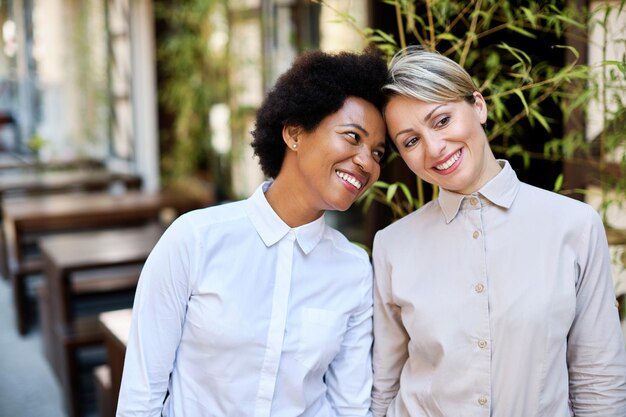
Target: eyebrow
{"x": 357, "y": 126}
{"x": 432, "y": 111}
{"x": 425, "y": 120}
{"x": 365, "y": 132}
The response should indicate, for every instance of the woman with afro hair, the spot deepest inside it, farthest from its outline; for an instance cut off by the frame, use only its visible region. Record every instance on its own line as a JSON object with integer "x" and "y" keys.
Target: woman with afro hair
{"x": 257, "y": 307}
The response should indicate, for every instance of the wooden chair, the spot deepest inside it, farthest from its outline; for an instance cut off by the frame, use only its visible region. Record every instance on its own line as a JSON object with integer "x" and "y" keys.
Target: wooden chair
{"x": 81, "y": 267}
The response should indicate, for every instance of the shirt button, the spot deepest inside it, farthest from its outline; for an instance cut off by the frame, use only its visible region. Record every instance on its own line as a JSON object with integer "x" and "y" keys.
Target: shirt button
{"x": 479, "y": 288}
{"x": 473, "y": 201}
{"x": 482, "y": 344}
{"x": 482, "y": 400}
{"x": 476, "y": 234}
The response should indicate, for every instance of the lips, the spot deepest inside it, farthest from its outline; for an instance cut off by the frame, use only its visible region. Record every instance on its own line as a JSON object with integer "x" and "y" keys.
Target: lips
{"x": 449, "y": 162}
{"x": 349, "y": 178}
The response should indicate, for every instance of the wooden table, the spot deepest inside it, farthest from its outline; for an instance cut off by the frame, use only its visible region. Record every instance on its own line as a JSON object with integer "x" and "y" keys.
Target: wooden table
{"x": 48, "y": 182}
{"x": 116, "y": 326}
{"x": 42, "y": 181}
{"x": 27, "y": 218}
{"x": 63, "y": 258}
{"x": 11, "y": 161}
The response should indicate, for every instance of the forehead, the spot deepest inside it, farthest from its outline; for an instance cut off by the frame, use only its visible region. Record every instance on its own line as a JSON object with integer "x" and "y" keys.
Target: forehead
{"x": 401, "y": 103}
{"x": 357, "y": 108}
{"x": 359, "y": 113}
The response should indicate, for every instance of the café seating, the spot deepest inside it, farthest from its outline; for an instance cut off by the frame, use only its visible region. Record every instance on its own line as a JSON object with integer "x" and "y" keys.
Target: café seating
{"x": 115, "y": 325}
{"x": 102, "y": 381}
{"x": 86, "y": 266}
{"x": 31, "y": 181}
{"x": 26, "y": 219}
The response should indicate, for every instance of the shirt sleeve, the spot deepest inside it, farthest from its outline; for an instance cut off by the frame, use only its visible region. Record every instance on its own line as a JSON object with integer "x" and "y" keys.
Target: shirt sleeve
{"x": 390, "y": 337}
{"x": 349, "y": 377}
{"x": 157, "y": 319}
{"x": 596, "y": 354}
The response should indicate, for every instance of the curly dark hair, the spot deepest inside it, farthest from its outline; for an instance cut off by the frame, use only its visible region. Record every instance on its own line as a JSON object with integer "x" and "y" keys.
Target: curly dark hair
{"x": 316, "y": 86}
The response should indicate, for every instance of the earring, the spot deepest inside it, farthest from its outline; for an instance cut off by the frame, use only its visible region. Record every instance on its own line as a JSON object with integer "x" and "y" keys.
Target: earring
{"x": 295, "y": 145}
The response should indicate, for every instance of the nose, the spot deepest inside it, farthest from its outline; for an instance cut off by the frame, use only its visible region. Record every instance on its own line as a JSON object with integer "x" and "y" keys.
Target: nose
{"x": 435, "y": 145}
{"x": 364, "y": 159}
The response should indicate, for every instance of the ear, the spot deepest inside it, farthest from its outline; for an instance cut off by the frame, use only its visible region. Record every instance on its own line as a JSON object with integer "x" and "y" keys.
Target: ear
{"x": 480, "y": 105}
{"x": 290, "y": 136}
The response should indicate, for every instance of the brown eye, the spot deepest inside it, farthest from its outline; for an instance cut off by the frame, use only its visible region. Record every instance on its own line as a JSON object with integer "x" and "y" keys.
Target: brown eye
{"x": 444, "y": 121}
{"x": 412, "y": 141}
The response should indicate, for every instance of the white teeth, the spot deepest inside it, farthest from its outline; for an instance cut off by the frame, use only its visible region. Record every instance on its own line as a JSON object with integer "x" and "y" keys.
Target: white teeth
{"x": 349, "y": 178}
{"x": 449, "y": 162}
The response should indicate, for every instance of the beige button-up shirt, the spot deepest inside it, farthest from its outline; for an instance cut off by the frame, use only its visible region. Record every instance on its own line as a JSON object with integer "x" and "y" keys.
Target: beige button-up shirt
{"x": 497, "y": 304}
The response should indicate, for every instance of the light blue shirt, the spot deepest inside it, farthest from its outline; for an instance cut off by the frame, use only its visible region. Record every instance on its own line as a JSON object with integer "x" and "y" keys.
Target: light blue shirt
{"x": 237, "y": 314}
{"x": 497, "y": 304}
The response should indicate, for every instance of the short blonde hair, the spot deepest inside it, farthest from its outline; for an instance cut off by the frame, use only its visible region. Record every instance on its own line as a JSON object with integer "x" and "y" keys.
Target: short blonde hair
{"x": 428, "y": 76}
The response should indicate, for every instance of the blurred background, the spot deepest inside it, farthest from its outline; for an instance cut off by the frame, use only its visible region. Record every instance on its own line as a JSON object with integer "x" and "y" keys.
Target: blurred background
{"x": 169, "y": 90}
{"x": 156, "y": 99}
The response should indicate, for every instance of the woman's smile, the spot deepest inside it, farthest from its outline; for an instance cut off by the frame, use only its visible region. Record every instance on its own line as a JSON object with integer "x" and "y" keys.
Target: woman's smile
{"x": 450, "y": 164}
{"x": 353, "y": 183}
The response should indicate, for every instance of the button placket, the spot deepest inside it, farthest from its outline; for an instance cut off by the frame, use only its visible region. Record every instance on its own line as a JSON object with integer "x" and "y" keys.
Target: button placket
{"x": 480, "y": 340}
{"x": 276, "y": 331}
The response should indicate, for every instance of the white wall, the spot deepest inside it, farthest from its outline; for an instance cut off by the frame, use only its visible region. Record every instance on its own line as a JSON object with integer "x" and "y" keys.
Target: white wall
{"x": 337, "y": 34}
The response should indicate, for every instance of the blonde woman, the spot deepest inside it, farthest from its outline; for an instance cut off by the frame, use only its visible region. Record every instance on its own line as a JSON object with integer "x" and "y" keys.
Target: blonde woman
{"x": 496, "y": 299}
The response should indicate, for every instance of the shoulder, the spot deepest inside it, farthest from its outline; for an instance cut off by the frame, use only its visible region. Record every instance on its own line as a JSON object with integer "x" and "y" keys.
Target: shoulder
{"x": 404, "y": 228}
{"x": 346, "y": 250}
{"x": 222, "y": 213}
{"x": 554, "y": 205}
{"x": 195, "y": 222}
{"x": 213, "y": 217}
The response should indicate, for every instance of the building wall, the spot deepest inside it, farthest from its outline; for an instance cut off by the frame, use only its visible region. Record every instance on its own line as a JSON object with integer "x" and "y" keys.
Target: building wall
{"x": 63, "y": 82}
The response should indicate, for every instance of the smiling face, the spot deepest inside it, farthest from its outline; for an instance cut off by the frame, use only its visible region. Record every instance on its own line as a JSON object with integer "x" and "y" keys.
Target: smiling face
{"x": 443, "y": 143}
{"x": 337, "y": 161}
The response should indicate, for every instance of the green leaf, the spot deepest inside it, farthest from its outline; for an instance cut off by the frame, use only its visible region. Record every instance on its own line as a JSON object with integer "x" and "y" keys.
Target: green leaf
{"x": 521, "y": 56}
{"x": 570, "y": 48}
{"x": 530, "y": 16}
{"x": 521, "y": 31}
{"x": 558, "y": 183}
{"x": 391, "y": 192}
{"x": 447, "y": 37}
{"x": 519, "y": 93}
{"x": 542, "y": 120}
{"x": 514, "y": 150}
{"x": 570, "y": 21}
{"x": 406, "y": 192}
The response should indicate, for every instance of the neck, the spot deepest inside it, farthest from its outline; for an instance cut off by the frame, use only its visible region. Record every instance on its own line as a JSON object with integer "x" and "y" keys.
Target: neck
{"x": 491, "y": 169}
{"x": 290, "y": 205}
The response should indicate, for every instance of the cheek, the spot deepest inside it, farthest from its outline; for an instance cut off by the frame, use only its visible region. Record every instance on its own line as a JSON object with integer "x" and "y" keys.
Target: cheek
{"x": 374, "y": 174}
{"x": 415, "y": 161}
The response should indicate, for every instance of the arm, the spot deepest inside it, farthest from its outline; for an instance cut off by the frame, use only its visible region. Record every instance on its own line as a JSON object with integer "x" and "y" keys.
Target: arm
{"x": 158, "y": 316}
{"x": 595, "y": 349}
{"x": 390, "y": 337}
{"x": 349, "y": 377}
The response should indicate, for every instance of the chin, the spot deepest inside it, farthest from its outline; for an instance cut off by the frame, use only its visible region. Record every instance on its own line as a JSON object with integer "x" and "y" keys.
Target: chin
{"x": 342, "y": 206}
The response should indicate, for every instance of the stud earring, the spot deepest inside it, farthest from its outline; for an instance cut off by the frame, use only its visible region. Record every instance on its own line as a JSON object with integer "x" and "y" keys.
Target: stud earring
{"x": 295, "y": 145}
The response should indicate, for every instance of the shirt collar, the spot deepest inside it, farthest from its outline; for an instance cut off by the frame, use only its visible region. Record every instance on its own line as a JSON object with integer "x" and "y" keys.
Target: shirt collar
{"x": 271, "y": 228}
{"x": 500, "y": 190}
